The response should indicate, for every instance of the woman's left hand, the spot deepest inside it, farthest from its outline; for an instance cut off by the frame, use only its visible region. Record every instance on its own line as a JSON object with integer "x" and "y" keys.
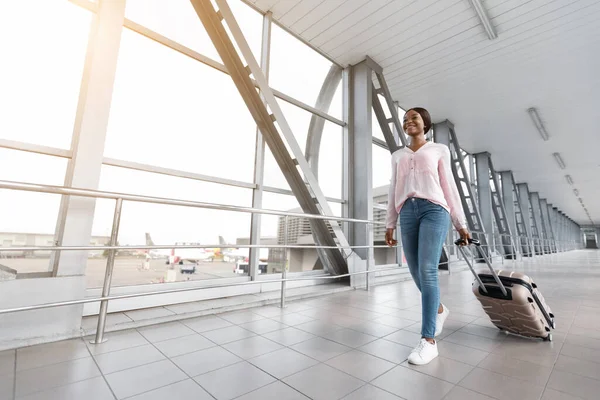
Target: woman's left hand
{"x": 465, "y": 236}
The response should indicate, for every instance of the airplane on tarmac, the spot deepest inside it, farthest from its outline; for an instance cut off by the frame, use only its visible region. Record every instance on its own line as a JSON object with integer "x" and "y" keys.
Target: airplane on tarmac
{"x": 179, "y": 256}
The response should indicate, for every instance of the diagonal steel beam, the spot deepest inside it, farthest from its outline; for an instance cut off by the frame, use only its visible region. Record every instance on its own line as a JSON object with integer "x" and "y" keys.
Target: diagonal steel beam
{"x": 211, "y": 19}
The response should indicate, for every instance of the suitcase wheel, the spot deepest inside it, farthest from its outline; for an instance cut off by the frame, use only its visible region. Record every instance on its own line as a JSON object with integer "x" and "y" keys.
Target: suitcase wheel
{"x": 548, "y": 338}
{"x": 553, "y": 324}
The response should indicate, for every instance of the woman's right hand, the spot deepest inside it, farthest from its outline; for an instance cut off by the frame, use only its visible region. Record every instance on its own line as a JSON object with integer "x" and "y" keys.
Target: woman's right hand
{"x": 389, "y": 238}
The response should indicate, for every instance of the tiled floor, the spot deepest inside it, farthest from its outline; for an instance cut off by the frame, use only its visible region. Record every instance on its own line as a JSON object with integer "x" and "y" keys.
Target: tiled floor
{"x": 350, "y": 345}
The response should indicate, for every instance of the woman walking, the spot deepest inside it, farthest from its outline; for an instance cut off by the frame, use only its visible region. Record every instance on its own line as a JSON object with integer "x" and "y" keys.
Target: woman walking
{"x": 423, "y": 193}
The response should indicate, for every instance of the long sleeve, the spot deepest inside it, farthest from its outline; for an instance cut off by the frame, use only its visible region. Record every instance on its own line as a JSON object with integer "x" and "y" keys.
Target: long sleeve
{"x": 451, "y": 191}
{"x": 392, "y": 214}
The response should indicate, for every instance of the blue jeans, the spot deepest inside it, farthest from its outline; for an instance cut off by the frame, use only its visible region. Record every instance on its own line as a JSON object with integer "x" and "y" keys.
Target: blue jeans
{"x": 424, "y": 226}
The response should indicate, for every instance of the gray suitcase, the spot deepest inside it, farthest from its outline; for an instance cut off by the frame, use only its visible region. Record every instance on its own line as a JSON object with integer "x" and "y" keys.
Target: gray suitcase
{"x": 511, "y": 300}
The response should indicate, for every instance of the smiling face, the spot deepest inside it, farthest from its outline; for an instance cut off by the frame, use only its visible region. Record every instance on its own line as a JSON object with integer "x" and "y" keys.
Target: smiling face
{"x": 413, "y": 124}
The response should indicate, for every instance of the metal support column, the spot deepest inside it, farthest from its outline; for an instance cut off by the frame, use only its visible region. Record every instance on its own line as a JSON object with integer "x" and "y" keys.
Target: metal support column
{"x": 552, "y": 225}
{"x": 360, "y": 158}
{"x": 259, "y": 155}
{"x": 516, "y": 221}
{"x": 490, "y": 196}
{"x": 530, "y": 223}
{"x": 539, "y": 222}
{"x": 74, "y": 225}
{"x": 305, "y": 187}
{"x": 444, "y": 134}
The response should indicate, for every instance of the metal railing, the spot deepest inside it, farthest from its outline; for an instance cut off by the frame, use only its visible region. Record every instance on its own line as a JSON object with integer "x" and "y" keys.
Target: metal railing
{"x": 113, "y": 247}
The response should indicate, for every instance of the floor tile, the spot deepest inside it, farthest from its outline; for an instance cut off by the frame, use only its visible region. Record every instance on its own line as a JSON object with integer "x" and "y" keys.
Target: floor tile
{"x": 319, "y": 328}
{"x": 531, "y": 350}
{"x": 320, "y": 349}
{"x": 534, "y": 373}
{"x": 233, "y": 381}
{"x": 323, "y": 382}
{"x": 143, "y": 379}
{"x": 369, "y": 392}
{"x": 117, "y": 341}
{"x": 394, "y": 322}
{"x": 460, "y": 353}
{"x": 473, "y": 341}
{"x": 460, "y": 393}
{"x": 252, "y": 347}
{"x": 500, "y": 386}
{"x": 274, "y": 391}
{"x": 478, "y": 330}
{"x": 551, "y": 394}
{"x": 51, "y": 376}
{"x": 583, "y": 341}
{"x": 51, "y": 353}
{"x": 92, "y": 389}
{"x": 582, "y": 353}
{"x": 184, "y": 390}
{"x": 405, "y": 338}
{"x": 7, "y": 362}
{"x": 443, "y": 368}
{"x": 360, "y": 365}
{"x": 374, "y": 329}
{"x": 351, "y": 338}
{"x": 228, "y": 335}
{"x": 412, "y": 385}
{"x": 126, "y": 359}
{"x": 292, "y": 319}
{"x": 289, "y": 336}
{"x": 270, "y": 311}
{"x": 577, "y": 366}
{"x": 282, "y": 363}
{"x": 241, "y": 317}
{"x": 171, "y": 330}
{"x": 184, "y": 345}
{"x": 387, "y": 350}
{"x": 205, "y": 324}
{"x": 7, "y": 385}
{"x": 263, "y": 326}
{"x": 201, "y": 362}
{"x": 575, "y": 385}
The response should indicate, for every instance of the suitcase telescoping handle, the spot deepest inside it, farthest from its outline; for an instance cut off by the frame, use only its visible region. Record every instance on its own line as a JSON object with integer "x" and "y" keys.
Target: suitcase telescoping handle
{"x": 476, "y": 242}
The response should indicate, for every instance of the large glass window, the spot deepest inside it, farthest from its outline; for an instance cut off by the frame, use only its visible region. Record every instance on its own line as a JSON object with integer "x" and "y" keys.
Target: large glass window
{"x": 177, "y": 20}
{"x": 172, "y": 111}
{"x": 43, "y": 51}
{"x": 145, "y": 223}
{"x": 298, "y": 70}
{"x": 28, "y": 218}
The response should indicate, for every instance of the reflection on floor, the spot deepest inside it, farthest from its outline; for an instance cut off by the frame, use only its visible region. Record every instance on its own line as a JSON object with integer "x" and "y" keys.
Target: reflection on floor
{"x": 350, "y": 345}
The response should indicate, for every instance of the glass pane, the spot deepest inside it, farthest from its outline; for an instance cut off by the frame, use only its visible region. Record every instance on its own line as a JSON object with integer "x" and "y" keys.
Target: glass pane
{"x": 28, "y": 218}
{"x": 330, "y": 161}
{"x": 382, "y": 167}
{"x": 296, "y": 69}
{"x": 177, "y": 20}
{"x": 144, "y": 223}
{"x": 43, "y": 52}
{"x": 172, "y": 111}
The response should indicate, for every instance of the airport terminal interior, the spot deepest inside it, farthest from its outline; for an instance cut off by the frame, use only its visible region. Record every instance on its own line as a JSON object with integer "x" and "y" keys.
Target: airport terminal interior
{"x": 194, "y": 199}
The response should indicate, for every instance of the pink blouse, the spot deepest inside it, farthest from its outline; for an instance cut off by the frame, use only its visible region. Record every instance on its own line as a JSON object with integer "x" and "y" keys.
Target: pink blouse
{"x": 424, "y": 174}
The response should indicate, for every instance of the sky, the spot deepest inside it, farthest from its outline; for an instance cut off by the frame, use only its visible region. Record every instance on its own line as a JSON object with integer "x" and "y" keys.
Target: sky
{"x": 167, "y": 110}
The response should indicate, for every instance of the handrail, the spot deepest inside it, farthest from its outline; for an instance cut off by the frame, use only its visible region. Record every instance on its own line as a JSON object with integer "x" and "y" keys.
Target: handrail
{"x": 31, "y": 187}
{"x": 189, "y": 289}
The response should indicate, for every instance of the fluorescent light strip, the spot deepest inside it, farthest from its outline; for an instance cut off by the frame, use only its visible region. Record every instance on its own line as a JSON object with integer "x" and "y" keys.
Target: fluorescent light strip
{"x": 485, "y": 20}
{"x": 569, "y": 179}
{"x": 559, "y": 160}
{"x": 576, "y": 192}
{"x": 538, "y": 123}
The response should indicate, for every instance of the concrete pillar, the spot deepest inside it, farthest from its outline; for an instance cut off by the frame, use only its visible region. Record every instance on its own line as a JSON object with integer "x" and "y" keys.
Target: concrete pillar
{"x": 537, "y": 215}
{"x": 524, "y": 202}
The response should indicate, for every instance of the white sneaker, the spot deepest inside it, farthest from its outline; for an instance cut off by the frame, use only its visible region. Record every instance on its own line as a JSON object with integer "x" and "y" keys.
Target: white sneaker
{"x": 423, "y": 353}
{"x": 440, "y": 319}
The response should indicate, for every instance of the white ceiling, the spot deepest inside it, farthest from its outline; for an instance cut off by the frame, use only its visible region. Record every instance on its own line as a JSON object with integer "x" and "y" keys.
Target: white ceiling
{"x": 436, "y": 54}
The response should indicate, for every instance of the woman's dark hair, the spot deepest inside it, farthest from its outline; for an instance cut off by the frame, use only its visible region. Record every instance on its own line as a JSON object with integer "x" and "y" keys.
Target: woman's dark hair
{"x": 425, "y": 115}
